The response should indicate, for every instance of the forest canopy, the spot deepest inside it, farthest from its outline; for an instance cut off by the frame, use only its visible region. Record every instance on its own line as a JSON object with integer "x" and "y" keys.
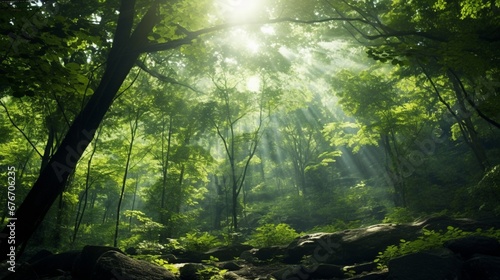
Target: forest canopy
{"x": 132, "y": 121}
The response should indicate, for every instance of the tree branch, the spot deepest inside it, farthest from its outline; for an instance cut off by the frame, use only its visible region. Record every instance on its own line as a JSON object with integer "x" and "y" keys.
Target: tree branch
{"x": 19, "y": 129}
{"x": 164, "y": 78}
{"x": 191, "y": 35}
{"x": 471, "y": 102}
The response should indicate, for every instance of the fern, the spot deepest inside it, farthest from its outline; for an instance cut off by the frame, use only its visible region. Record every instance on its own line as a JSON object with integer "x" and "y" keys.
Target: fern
{"x": 429, "y": 239}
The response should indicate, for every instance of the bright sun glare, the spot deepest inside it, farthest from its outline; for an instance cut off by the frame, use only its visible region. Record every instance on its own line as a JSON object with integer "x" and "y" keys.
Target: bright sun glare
{"x": 238, "y": 10}
{"x": 253, "y": 83}
{"x": 253, "y": 46}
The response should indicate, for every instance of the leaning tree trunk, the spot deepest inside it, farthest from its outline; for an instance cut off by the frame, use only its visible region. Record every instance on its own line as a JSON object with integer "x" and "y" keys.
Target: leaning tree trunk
{"x": 53, "y": 177}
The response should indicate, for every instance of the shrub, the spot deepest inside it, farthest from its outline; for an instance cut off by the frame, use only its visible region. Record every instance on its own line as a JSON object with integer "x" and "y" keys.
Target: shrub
{"x": 199, "y": 241}
{"x": 399, "y": 215}
{"x": 163, "y": 263}
{"x": 487, "y": 192}
{"x": 337, "y": 225}
{"x": 271, "y": 234}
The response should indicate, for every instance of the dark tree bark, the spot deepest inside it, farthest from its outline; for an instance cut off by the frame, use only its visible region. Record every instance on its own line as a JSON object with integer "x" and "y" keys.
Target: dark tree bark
{"x": 127, "y": 46}
{"x": 50, "y": 184}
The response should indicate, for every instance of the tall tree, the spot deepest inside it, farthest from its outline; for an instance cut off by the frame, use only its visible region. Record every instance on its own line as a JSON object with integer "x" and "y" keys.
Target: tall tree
{"x": 239, "y": 139}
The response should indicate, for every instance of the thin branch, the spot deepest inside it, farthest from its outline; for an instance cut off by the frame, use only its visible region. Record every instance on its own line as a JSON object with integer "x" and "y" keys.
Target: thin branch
{"x": 19, "y": 129}
{"x": 471, "y": 102}
{"x": 164, "y": 78}
{"x": 91, "y": 78}
{"x": 59, "y": 105}
{"x": 190, "y": 36}
{"x": 129, "y": 86}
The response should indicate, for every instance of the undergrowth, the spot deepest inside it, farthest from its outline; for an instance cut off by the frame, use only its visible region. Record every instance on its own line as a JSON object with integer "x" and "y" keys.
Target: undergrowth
{"x": 271, "y": 235}
{"x": 429, "y": 239}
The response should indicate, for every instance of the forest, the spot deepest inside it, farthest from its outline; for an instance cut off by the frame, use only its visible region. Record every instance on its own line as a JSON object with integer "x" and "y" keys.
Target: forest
{"x": 152, "y": 124}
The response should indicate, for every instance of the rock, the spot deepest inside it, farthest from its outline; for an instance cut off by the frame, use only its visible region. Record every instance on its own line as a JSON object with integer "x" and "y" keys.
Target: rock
{"x": 482, "y": 267}
{"x": 360, "y": 268}
{"x": 116, "y": 265}
{"x": 86, "y": 261}
{"x": 348, "y": 246}
{"x": 443, "y": 222}
{"x": 269, "y": 253}
{"x": 249, "y": 255}
{"x": 170, "y": 258}
{"x": 231, "y": 266}
{"x": 232, "y": 276}
{"x": 131, "y": 251}
{"x": 227, "y": 253}
{"x": 468, "y": 246}
{"x": 289, "y": 272}
{"x": 363, "y": 244}
{"x": 190, "y": 271}
{"x": 379, "y": 275}
{"x": 325, "y": 271}
{"x": 188, "y": 257}
{"x": 434, "y": 265}
{"x": 320, "y": 271}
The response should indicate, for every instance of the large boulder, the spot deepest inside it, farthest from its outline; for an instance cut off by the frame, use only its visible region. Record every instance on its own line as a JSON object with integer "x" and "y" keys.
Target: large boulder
{"x": 435, "y": 265}
{"x": 349, "y": 246}
{"x": 85, "y": 262}
{"x": 227, "y": 253}
{"x": 363, "y": 245}
{"x": 482, "y": 267}
{"x": 190, "y": 271}
{"x": 377, "y": 275}
{"x": 318, "y": 271}
{"x": 264, "y": 254}
{"x": 470, "y": 245}
{"x": 115, "y": 265}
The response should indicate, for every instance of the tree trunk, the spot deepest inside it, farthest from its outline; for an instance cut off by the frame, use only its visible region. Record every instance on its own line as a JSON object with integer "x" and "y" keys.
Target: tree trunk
{"x": 133, "y": 131}
{"x": 133, "y": 201}
{"x": 79, "y": 214}
{"x": 235, "y": 207}
{"x": 165, "y": 162}
{"x": 471, "y": 137}
{"x": 219, "y": 203}
{"x": 50, "y": 184}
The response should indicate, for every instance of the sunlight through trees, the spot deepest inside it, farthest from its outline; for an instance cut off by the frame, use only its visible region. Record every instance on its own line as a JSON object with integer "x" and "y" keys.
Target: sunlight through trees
{"x": 143, "y": 121}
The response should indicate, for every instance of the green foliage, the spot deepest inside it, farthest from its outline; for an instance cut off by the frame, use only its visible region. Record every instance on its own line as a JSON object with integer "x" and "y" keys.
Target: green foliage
{"x": 348, "y": 271}
{"x": 199, "y": 241}
{"x": 131, "y": 241}
{"x": 173, "y": 244}
{"x": 150, "y": 246}
{"x": 147, "y": 227}
{"x": 211, "y": 261}
{"x": 337, "y": 225}
{"x": 429, "y": 239}
{"x": 304, "y": 149}
{"x": 487, "y": 192}
{"x": 399, "y": 215}
{"x": 210, "y": 271}
{"x": 271, "y": 235}
{"x": 163, "y": 263}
